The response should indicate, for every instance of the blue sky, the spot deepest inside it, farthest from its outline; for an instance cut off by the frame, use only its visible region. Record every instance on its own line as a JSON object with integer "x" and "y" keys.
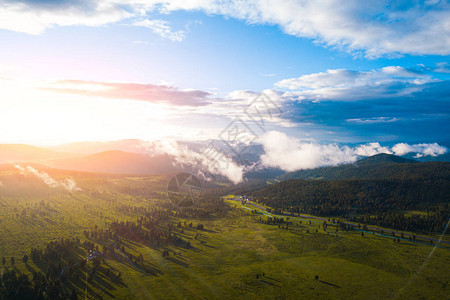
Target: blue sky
{"x": 346, "y": 72}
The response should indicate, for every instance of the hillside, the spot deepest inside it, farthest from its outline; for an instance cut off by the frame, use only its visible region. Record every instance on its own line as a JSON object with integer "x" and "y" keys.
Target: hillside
{"x": 338, "y": 197}
{"x": 215, "y": 249}
{"x": 380, "y": 189}
{"x": 151, "y": 249}
{"x": 381, "y": 166}
{"x": 385, "y": 200}
{"x": 87, "y": 148}
{"x": 117, "y": 162}
{"x": 22, "y": 153}
{"x": 384, "y": 158}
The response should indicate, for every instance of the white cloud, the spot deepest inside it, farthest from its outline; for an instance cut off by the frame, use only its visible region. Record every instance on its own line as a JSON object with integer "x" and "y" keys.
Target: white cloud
{"x": 442, "y": 67}
{"x": 373, "y": 120}
{"x": 332, "y": 78}
{"x": 68, "y": 183}
{"x": 371, "y": 149}
{"x": 162, "y": 28}
{"x": 291, "y": 154}
{"x": 374, "y": 27}
{"x": 33, "y": 19}
{"x": 402, "y": 149}
{"x": 209, "y": 159}
{"x": 341, "y": 84}
{"x": 342, "y": 78}
{"x": 420, "y": 149}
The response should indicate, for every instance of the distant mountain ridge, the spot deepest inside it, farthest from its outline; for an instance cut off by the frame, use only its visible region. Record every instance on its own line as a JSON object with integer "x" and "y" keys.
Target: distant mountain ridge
{"x": 384, "y": 158}
{"x": 25, "y": 153}
{"x": 118, "y": 162}
{"x": 381, "y": 166}
{"x": 86, "y": 148}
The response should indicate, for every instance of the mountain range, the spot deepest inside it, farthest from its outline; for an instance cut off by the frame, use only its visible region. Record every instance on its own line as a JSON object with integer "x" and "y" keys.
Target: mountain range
{"x": 380, "y": 166}
{"x": 113, "y": 159}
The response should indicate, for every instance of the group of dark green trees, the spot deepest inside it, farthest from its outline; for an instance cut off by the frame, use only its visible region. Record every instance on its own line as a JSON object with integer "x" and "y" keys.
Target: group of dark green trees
{"x": 379, "y": 202}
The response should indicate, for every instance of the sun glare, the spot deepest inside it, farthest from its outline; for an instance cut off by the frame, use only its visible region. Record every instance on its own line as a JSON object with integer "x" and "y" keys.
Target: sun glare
{"x": 32, "y": 115}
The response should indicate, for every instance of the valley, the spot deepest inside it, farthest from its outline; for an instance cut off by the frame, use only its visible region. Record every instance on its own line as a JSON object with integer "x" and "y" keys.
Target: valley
{"x": 144, "y": 247}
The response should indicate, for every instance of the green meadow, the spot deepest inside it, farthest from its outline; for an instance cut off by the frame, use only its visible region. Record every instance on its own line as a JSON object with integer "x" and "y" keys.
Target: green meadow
{"x": 235, "y": 255}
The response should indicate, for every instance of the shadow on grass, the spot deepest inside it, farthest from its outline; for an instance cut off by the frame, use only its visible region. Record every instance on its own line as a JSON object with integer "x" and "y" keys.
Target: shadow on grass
{"x": 329, "y": 283}
{"x": 269, "y": 283}
{"x": 178, "y": 261}
{"x": 146, "y": 269}
{"x": 18, "y": 272}
{"x": 99, "y": 283}
{"x": 105, "y": 284}
{"x": 106, "y": 288}
{"x": 271, "y": 278}
{"x": 75, "y": 255}
{"x": 152, "y": 269}
{"x": 207, "y": 230}
{"x": 50, "y": 221}
{"x": 30, "y": 268}
{"x": 131, "y": 244}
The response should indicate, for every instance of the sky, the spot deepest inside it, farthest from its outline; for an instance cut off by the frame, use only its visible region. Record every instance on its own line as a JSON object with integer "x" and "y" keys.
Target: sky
{"x": 327, "y": 73}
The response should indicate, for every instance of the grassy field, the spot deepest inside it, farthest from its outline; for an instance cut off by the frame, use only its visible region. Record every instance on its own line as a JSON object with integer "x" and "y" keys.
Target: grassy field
{"x": 236, "y": 255}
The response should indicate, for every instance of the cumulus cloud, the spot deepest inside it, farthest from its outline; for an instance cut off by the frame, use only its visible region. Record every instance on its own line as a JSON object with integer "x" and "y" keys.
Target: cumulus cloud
{"x": 209, "y": 159}
{"x": 373, "y": 27}
{"x": 68, "y": 183}
{"x": 387, "y": 103}
{"x": 291, "y": 154}
{"x": 133, "y": 91}
{"x": 376, "y": 27}
{"x": 342, "y": 84}
{"x": 344, "y": 78}
{"x": 371, "y": 149}
{"x": 420, "y": 149}
{"x": 34, "y": 17}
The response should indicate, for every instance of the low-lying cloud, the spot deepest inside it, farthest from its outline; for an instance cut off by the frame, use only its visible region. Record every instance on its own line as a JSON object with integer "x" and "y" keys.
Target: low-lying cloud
{"x": 291, "y": 154}
{"x": 209, "y": 159}
{"x": 420, "y": 149}
{"x": 68, "y": 183}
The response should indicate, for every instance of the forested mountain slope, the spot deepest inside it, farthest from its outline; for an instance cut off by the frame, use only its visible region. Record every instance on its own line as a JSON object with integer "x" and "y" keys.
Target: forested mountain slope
{"x": 376, "y": 190}
{"x": 381, "y": 166}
